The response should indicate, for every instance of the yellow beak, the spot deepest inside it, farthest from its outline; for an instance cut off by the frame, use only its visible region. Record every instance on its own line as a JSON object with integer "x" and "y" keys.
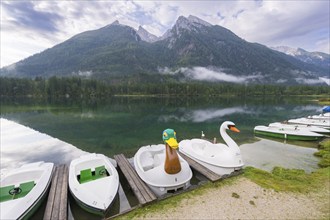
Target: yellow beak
{"x": 172, "y": 143}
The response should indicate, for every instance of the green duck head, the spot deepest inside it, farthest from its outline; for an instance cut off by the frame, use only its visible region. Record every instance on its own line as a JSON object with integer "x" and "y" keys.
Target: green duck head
{"x": 169, "y": 137}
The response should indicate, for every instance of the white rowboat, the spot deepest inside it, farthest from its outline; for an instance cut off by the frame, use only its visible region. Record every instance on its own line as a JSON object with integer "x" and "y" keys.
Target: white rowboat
{"x": 23, "y": 189}
{"x": 287, "y": 133}
{"x": 300, "y": 127}
{"x": 93, "y": 182}
{"x": 314, "y": 122}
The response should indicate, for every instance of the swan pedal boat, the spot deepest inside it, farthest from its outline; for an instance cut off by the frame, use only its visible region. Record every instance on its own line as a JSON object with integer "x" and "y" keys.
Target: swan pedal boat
{"x": 300, "y": 127}
{"x": 23, "y": 189}
{"x": 287, "y": 133}
{"x": 149, "y": 162}
{"x": 220, "y": 158}
{"x": 93, "y": 182}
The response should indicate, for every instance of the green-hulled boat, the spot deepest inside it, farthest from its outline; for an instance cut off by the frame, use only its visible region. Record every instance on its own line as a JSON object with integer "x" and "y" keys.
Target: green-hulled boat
{"x": 287, "y": 133}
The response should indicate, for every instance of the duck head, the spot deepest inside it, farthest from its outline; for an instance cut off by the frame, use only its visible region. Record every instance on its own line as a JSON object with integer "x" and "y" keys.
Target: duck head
{"x": 169, "y": 138}
{"x": 172, "y": 162}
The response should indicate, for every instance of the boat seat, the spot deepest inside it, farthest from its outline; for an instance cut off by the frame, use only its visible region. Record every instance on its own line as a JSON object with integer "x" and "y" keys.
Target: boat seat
{"x": 4, "y": 193}
{"x": 85, "y": 176}
{"x": 147, "y": 161}
{"x": 158, "y": 160}
{"x": 26, "y": 188}
{"x": 100, "y": 172}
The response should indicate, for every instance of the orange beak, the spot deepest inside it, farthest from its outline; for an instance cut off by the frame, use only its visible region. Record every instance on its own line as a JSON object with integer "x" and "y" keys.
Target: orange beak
{"x": 234, "y": 129}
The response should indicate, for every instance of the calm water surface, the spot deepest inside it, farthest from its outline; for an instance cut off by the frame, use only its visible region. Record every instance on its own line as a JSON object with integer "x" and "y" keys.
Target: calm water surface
{"x": 124, "y": 124}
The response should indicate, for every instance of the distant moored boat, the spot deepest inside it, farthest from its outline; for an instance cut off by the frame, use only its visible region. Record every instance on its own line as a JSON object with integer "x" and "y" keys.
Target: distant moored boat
{"x": 287, "y": 133}
{"x": 310, "y": 121}
{"x": 300, "y": 127}
{"x": 326, "y": 109}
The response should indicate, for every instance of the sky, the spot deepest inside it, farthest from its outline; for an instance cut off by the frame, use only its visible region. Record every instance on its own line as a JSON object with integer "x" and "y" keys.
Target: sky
{"x": 30, "y": 27}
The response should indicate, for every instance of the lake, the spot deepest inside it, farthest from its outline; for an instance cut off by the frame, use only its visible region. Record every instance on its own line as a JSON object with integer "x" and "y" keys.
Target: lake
{"x": 123, "y": 124}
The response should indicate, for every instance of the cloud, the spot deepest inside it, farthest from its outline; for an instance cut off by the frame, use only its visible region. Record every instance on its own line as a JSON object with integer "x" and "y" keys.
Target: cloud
{"x": 208, "y": 74}
{"x": 284, "y": 23}
{"x": 25, "y": 15}
{"x": 83, "y": 73}
{"x": 310, "y": 81}
{"x": 20, "y": 145}
{"x": 326, "y": 80}
{"x": 202, "y": 115}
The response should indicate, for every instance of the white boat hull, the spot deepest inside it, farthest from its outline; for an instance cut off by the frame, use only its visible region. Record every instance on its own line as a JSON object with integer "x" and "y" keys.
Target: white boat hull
{"x": 36, "y": 177}
{"x": 149, "y": 164}
{"x": 287, "y": 133}
{"x": 305, "y": 121}
{"x": 95, "y": 193}
{"x": 319, "y": 117}
{"x": 300, "y": 127}
{"x": 219, "y": 158}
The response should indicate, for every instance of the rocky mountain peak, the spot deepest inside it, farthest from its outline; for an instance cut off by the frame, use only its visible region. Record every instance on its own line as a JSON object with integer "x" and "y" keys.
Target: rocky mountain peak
{"x": 116, "y": 22}
{"x": 146, "y": 36}
{"x": 192, "y": 23}
{"x": 197, "y": 20}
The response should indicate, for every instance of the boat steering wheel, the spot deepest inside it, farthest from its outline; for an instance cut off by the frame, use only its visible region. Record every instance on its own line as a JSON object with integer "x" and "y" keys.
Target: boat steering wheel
{"x": 15, "y": 191}
{"x": 102, "y": 171}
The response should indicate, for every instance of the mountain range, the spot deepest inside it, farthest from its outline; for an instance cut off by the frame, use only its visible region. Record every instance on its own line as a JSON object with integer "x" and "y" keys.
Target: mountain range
{"x": 315, "y": 58}
{"x": 192, "y": 49}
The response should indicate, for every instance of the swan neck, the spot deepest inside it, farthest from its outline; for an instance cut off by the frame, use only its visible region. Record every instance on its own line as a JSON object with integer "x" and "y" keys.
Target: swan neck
{"x": 227, "y": 139}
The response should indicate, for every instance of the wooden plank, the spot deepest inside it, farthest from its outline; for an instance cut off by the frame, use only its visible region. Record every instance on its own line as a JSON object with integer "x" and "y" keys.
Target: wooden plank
{"x": 57, "y": 199}
{"x": 148, "y": 194}
{"x": 56, "y": 207}
{"x": 51, "y": 196}
{"x": 202, "y": 169}
{"x": 132, "y": 180}
{"x": 140, "y": 189}
{"x": 64, "y": 195}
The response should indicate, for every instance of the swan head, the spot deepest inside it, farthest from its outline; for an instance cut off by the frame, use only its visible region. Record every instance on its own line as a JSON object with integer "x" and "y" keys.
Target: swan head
{"x": 169, "y": 138}
{"x": 228, "y": 125}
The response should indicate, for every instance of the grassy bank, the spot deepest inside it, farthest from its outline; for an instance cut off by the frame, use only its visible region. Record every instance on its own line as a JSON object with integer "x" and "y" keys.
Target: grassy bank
{"x": 324, "y": 101}
{"x": 280, "y": 179}
{"x": 324, "y": 153}
{"x": 293, "y": 180}
{"x": 288, "y": 180}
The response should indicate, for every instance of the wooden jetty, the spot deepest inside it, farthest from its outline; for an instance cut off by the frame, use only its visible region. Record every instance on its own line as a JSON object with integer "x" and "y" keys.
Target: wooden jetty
{"x": 142, "y": 192}
{"x": 57, "y": 203}
{"x": 212, "y": 176}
